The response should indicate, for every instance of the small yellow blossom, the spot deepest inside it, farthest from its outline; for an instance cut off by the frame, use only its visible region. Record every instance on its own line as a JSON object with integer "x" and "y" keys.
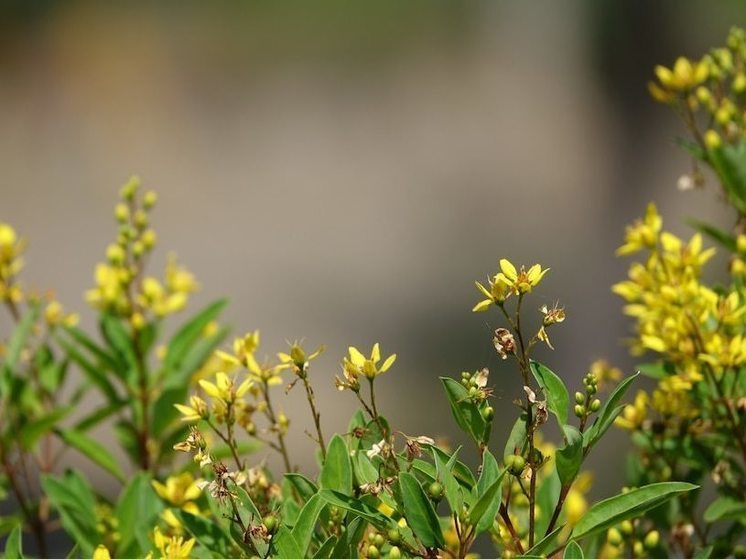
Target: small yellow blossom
{"x": 357, "y": 364}
{"x": 520, "y": 281}
{"x": 101, "y": 553}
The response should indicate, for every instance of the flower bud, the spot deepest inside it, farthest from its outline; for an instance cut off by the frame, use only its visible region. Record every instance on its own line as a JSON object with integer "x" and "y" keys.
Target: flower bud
{"x": 579, "y": 398}
{"x": 149, "y": 199}
{"x": 121, "y": 212}
{"x": 652, "y": 539}
{"x": 394, "y": 536}
{"x": 488, "y": 413}
{"x": 579, "y": 410}
{"x": 270, "y": 523}
{"x": 595, "y": 405}
{"x": 129, "y": 189}
{"x": 379, "y": 540}
{"x": 515, "y": 464}
{"x": 614, "y": 537}
{"x": 435, "y": 491}
{"x": 712, "y": 139}
{"x": 394, "y": 553}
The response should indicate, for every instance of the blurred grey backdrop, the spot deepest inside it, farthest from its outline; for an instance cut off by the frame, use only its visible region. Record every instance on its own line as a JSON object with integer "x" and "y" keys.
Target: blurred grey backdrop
{"x": 344, "y": 171}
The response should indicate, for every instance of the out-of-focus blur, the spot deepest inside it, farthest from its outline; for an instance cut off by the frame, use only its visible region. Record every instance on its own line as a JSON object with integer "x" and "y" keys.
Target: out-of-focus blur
{"x": 344, "y": 171}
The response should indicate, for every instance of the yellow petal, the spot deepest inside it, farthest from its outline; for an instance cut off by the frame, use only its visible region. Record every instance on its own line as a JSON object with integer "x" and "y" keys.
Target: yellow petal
{"x": 356, "y": 357}
{"x": 375, "y": 355}
{"x": 209, "y": 388}
{"x": 508, "y": 269}
{"x": 387, "y": 364}
{"x": 482, "y": 306}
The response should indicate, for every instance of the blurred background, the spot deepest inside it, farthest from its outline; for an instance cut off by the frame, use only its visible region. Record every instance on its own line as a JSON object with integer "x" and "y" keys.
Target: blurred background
{"x": 344, "y": 171}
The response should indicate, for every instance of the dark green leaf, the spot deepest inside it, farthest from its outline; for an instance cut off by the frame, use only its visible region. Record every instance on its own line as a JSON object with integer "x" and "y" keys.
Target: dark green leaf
{"x": 725, "y": 508}
{"x": 306, "y": 522}
{"x": 419, "y": 511}
{"x": 304, "y": 486}
{"x": 13, "y": 548}
{"x": 336, "y": 474}
{"x": 517, "y": 438}
{"x": 190, "y": 332}
{"x": 136, "y": 512}
{"x": 721, "y": 237}
{"x": 573, "y": 551}
{"x": 92, "y": 449}
{"x": 570, "y": 457}
{"x": 608, "y": 412}
{"x": 357, "y": 507}
{"x": 482, "y": 515}
{"x": 607, "y": 513}
{"x": 31, "y": 432}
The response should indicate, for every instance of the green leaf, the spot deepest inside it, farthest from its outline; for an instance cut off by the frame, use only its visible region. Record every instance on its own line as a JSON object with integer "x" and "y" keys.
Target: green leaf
{"x": 558, "y": 400}
{"x": 452, "y": 490}
{"x": 285, "y": 545}
{"x": 99, "y": 415}
{"x": 490, "y": 473}
{"x": 465, "y": 412}
{"x": 721, "y": 237}
{"x": 482, "y": 515}
{"x": 336, "y": 473}
{"x": 73, "y": 499}
{"x": 570, "y": 457}
{"x": 190, "y": 332}
{"x": 607, "y": 513}
{"x": 608, "y": 412}
{"x": 357, "y": 507}
{"x": 208, "y": 534}
{"x": 31, "y": 432}
{"x": 729, "y": 162}
{"x": 517, "y": 438}
{"x": 725, "y": 508}
{"x": 573, "y": 551}
{"x": 419, "y": 511}
{"x": 326, "y": 548}
{"x": 120, "y": 343}
{"x": 94, "y": 373}
{"x": 13, "y": 548}
{"x": 306, "y": 523}
{"x": 542, "y": 547}
{"x": 703, "y": 553}
{"x": 304, "y": 486}
{"x": 136, "y": 512}
{"x": 20, "y": 336}
{"x": 92, "y": 449}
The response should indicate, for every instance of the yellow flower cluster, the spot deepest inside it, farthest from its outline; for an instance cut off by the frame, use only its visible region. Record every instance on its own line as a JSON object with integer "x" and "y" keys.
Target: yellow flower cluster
{"x": 180, "y": 491}
{"x": 509, "y": 280}
{"x": 11, "y": 249}
{"x": 688, "y": 323}
{"x": 715, "y": 83}
{"x": 122, "y": 288}
{"x": 356, "y": 365}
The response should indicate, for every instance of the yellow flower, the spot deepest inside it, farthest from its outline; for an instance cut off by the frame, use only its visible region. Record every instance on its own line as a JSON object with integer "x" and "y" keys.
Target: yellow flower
{"x": 520, "y": 281}
{"x": 178, "y": 489}
{"x": 497, "y": 293}
{"x": 634, "y": 414}
{"x": 224, "y": 388}
{"x": 683, "y": 77}
{"x": 195, "y": 411}
{"x": 357, "y": 364}
{"x": 643, "y": 233}
{"x": 173, "y": 547}
{"x": 101, "y": 553}
{"x": 297, "y": 358}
